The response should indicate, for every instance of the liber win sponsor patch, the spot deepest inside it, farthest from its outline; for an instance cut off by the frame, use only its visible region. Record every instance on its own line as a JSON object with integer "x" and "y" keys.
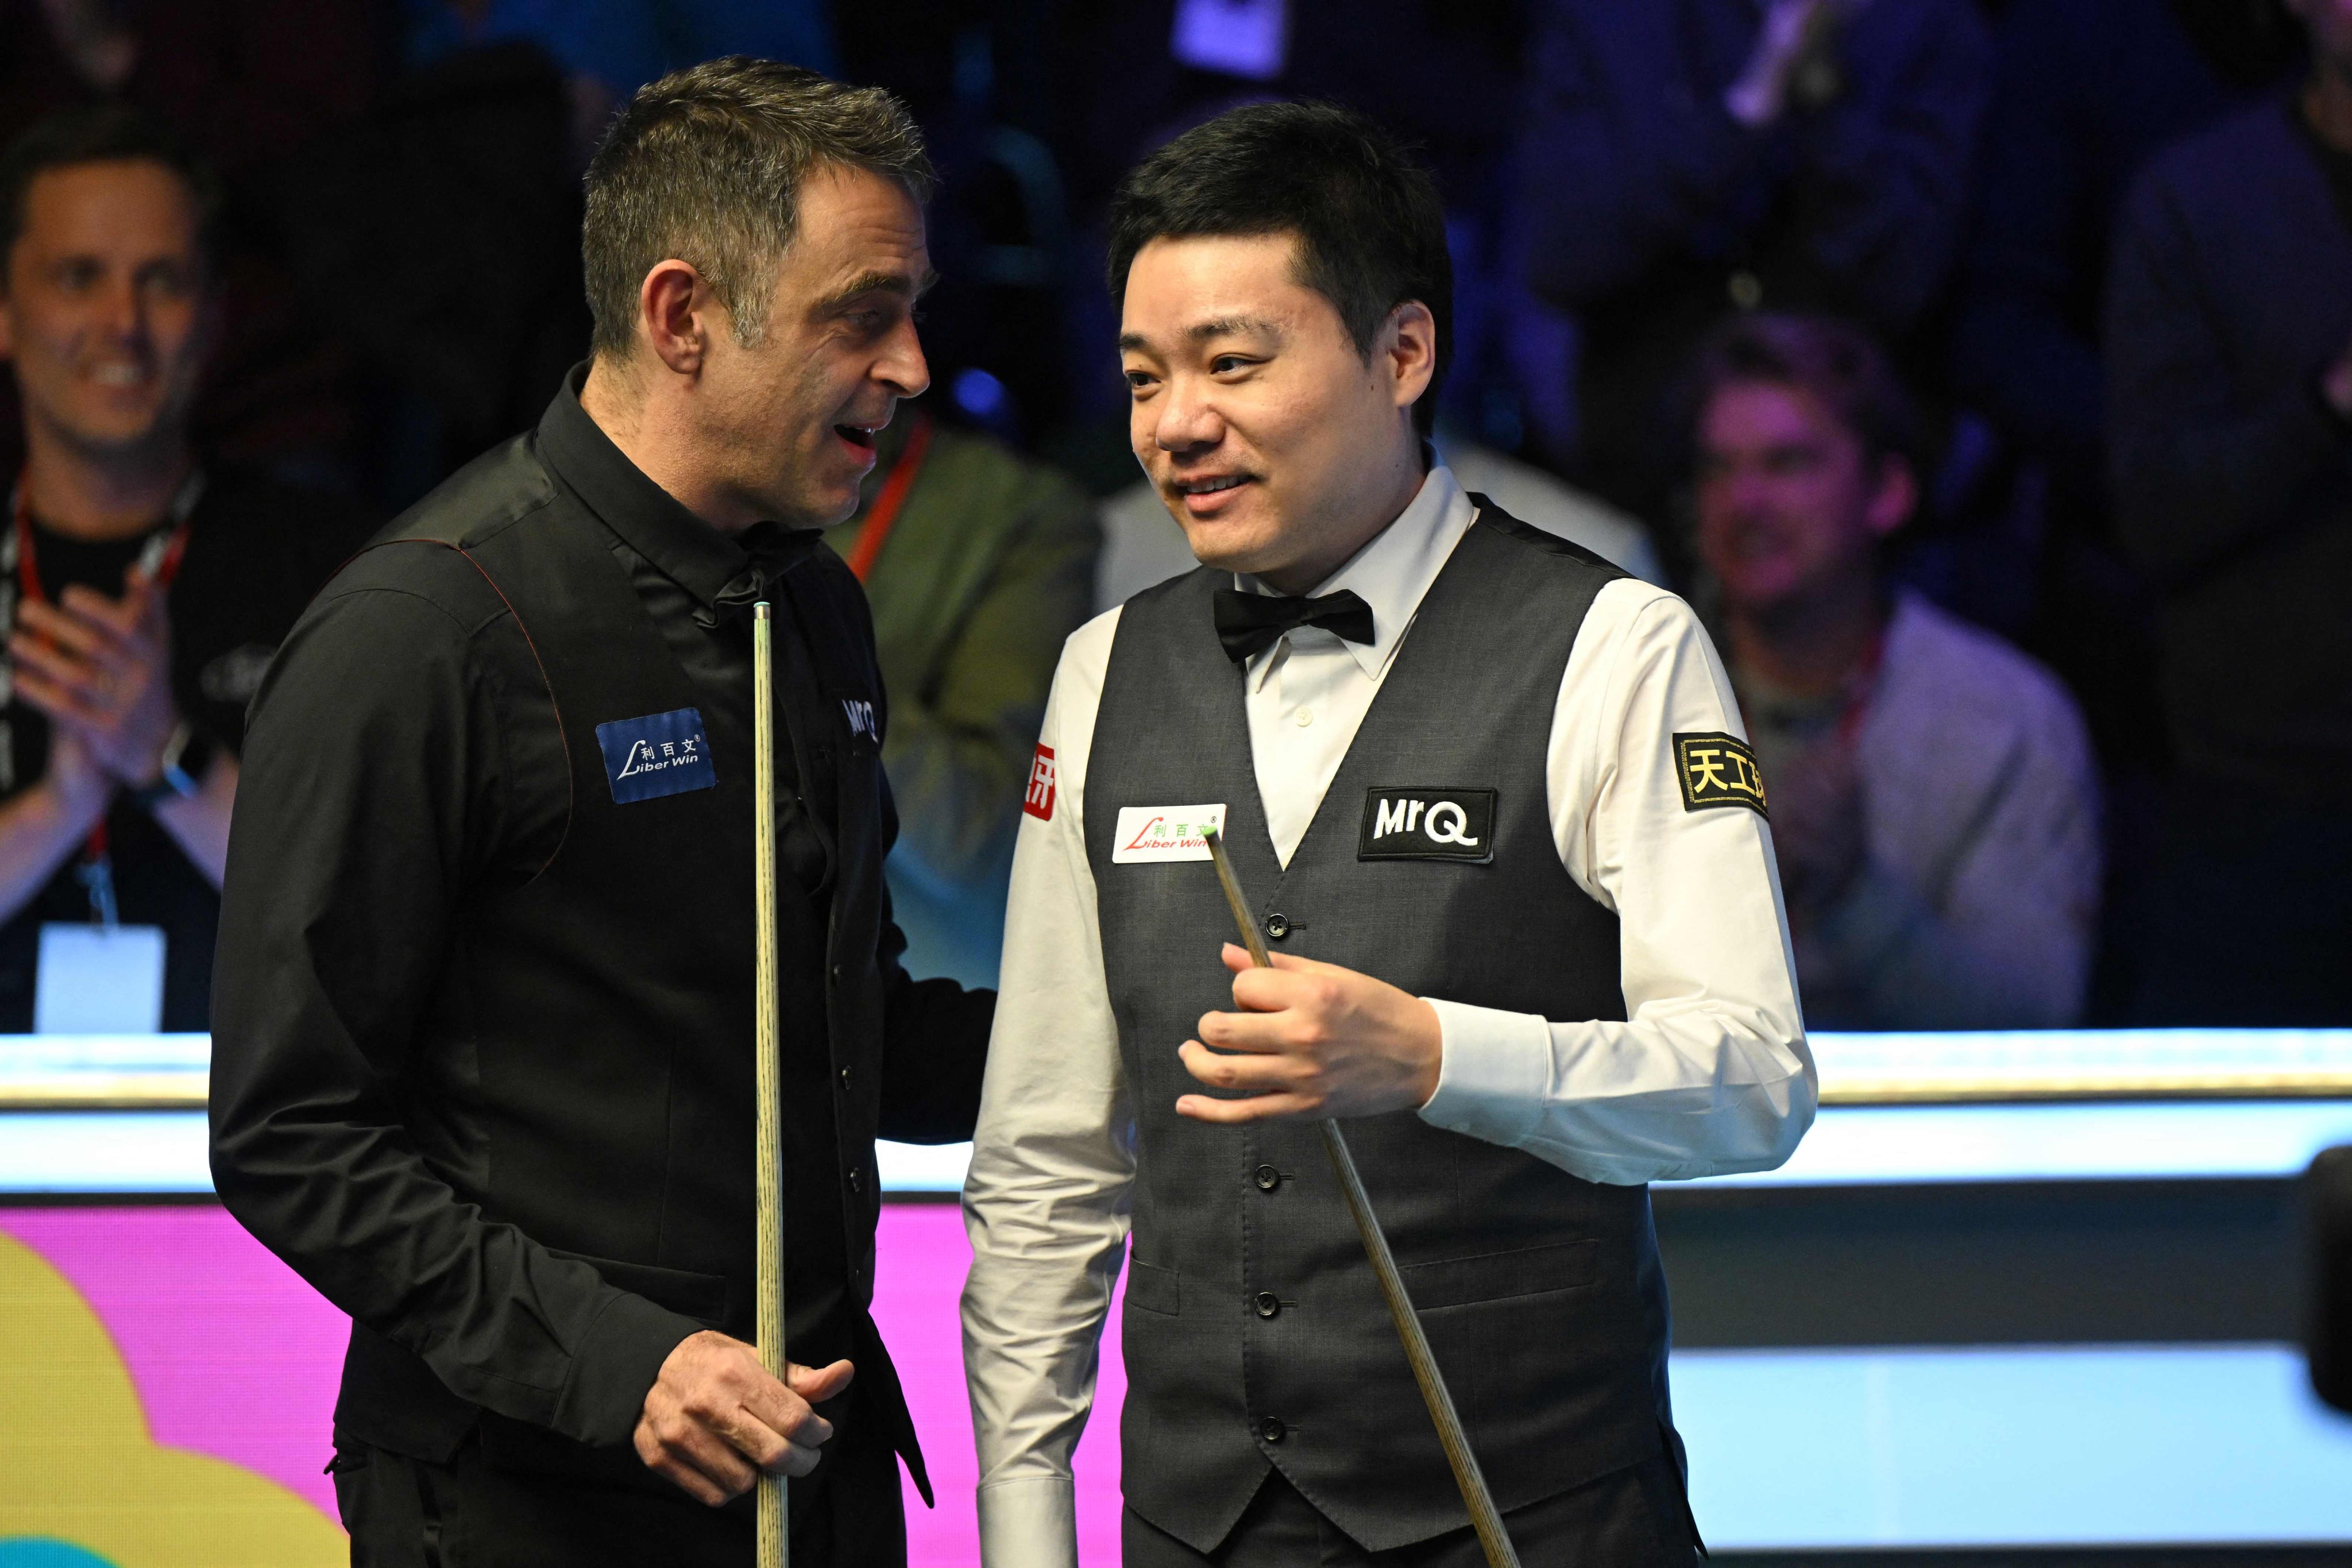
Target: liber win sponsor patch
{"x": 659, "y": 755}
{"x": 1425, "y": 823}
{"x": 1145, "y": 833}
{"x": 1717, "y": 769}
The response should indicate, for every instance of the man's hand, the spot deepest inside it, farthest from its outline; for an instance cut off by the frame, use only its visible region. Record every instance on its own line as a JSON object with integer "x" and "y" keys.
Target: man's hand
{"x": 1312, "y": 1040}
{"x": 714, "y": 1419}
{"x": 102, "y": 667}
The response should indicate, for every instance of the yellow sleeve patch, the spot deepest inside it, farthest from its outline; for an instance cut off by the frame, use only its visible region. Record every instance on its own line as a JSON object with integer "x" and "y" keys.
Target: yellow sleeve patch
{"x": 1716, "y": 768}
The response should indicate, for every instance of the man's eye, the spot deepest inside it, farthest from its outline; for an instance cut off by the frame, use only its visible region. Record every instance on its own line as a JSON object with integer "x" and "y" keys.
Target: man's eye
{"x": 1138, "y": 380}
{"x": 1223, "y": 362}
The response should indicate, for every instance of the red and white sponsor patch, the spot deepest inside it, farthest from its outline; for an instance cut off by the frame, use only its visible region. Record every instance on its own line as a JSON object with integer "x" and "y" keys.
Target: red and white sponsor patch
{"x": 1039, "y": 802}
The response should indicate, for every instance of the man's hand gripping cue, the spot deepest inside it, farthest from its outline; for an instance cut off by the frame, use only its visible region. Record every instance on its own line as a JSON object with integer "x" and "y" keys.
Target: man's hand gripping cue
{"x": 714, "y": 1419}
{"x": 1312, "y": 1040}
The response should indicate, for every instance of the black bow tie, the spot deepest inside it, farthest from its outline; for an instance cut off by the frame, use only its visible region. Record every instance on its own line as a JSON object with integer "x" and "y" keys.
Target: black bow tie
{"x": 1249, "y": 623}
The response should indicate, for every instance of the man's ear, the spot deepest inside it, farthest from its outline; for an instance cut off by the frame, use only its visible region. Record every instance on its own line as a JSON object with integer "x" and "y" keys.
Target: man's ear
{"x": 1894, "y": 498}
{"x": 678, "y": 313}
{"x": 1409, "y": 349}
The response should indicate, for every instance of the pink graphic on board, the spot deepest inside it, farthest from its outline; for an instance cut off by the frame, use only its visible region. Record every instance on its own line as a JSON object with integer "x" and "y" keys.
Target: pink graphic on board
{"x": 234, "y": 1356}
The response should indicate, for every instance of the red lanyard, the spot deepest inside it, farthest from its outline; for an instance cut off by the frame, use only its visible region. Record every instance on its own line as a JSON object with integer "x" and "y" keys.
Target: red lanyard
{"x": 879, "y": 521}
{"x": 97, "y": 872}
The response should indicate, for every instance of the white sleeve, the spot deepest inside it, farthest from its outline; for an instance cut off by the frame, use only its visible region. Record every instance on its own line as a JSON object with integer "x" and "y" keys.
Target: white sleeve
{"x": 1046, "y": 1201}
{"x": 1710, "y": 1074}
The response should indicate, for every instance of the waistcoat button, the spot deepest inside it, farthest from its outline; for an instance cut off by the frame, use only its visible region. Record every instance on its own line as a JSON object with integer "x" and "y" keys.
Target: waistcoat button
{"x": 1267, "y": 1303}
{"x": 1271, "y": 1430}
{"x": 1277, "y": 926}
{"x": 856, "y": 1180}
{"x": 1268, "y": 1178}
{"x": 845, "y": 1077}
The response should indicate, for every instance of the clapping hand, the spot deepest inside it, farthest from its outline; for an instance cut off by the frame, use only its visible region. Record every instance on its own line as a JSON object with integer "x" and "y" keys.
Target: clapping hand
{"x": 99, "y": 667}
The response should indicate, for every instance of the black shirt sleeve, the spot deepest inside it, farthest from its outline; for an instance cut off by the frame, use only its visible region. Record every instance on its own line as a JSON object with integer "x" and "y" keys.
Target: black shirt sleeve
{"x": 377, "y": 794}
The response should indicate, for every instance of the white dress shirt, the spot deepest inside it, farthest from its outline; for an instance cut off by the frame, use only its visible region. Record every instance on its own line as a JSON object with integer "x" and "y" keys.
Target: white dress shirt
{"x": 1708, "y": 1074}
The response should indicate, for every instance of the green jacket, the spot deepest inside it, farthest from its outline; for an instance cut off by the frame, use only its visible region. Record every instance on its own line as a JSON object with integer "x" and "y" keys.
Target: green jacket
{"x": 987, "y": 566}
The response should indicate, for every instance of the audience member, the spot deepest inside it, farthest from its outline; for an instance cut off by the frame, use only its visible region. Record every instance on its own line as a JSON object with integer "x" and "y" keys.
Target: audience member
{"x": 1682, "y": 158}
{"x": 1934, "y": 805}
{"x": 1143, "y": 543}
{"x": 978, "y": 563}
{"x": 2229, "y": 355}
{"x": 2084, "y": 92}
{"x": 141, "y": 593}
{"x": 244, "y": 84}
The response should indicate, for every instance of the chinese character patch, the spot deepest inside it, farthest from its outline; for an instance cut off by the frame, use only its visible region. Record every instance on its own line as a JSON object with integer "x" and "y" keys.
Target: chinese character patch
{"x": 1039, "y": 800}
{"x": 661, "y": 753}
{"x": 1718, "y": 769}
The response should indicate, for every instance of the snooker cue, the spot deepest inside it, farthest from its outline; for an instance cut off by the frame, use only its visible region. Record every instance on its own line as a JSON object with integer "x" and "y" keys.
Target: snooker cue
{"x": 774, "y": 1550}
{"x": 1484, "y": 1517}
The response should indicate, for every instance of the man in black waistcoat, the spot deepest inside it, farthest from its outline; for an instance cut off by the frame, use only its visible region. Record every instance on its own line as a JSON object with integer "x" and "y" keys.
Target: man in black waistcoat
{"x": 1507, "y": 838}
{"x": 483, "y": 1066}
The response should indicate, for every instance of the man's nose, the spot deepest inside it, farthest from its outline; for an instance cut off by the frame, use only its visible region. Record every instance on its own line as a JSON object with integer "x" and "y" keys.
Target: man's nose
{"x": 902, "y": 365}
{"x": 1188, "y": 419}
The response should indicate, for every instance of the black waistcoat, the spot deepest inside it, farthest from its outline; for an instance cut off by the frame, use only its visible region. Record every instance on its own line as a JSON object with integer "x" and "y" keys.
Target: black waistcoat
{"x": 593, "y": 1029}
{"x": 1255, "y": 1334}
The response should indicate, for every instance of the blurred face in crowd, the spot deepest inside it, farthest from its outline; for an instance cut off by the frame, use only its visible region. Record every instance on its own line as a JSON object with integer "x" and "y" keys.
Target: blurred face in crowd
{"x": 2330, "y": 25}
{"x": 787, "y": 424}
{"x": 1277, "y": 445}
{"x": 106, "y": 314}
{"x": 1790, "y": 502}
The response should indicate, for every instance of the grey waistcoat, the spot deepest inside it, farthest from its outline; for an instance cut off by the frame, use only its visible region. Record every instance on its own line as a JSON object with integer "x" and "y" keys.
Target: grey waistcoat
{"x": 1255, "y": 1334}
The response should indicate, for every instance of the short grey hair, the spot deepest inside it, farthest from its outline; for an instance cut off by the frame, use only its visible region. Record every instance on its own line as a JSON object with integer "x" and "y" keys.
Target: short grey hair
{"x": 707, "y": 165}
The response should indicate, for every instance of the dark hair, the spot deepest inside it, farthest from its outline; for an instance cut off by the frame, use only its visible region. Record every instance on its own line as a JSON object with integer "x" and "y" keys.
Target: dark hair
{"x": 707, "y": 165}
{"x": 111, "y": 133}
{"x": 1834, "y": 361}
{"x": 1371, "y": 227}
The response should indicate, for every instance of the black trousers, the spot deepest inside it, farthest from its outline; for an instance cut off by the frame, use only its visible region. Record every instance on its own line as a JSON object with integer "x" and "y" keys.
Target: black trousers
{"x": 1633, "y": 1517}
{"x": 469, "y": 1513}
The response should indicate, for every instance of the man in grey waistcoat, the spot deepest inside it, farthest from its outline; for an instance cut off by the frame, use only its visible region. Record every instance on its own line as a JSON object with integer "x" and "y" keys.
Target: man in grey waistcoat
{"x": 1510, "y": 850}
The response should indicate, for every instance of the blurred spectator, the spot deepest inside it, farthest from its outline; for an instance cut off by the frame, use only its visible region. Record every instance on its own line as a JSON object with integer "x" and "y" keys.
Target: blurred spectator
{"x": 1686, "y": 157}
{"x": 441, "y": 233}
{"x": 142, "y": 594}
{"x": 2086, "y": 90}
{"x": 1143, "y": 543}
{"x": 1934, "y": 805}
{"x": 607, "y": 49}
{"x": 244, "y": 84}
{"x": 2229, "y": 345}
{"x": 978, "y": 563}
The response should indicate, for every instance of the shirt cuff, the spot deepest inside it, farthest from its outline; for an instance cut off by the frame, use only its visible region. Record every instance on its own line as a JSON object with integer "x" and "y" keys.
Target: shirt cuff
{"x": 1029, "y": 1522}
{"x": 1494, "y": 1070}
{"x": 614, "y": 1366}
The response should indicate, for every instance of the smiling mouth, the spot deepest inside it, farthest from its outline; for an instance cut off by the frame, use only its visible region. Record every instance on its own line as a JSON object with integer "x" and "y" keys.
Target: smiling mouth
{"x": 1210, "y": 487}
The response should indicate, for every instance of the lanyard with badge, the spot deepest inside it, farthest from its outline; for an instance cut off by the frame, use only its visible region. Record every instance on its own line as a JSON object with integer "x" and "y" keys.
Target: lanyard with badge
{"x": 99, "y": 977}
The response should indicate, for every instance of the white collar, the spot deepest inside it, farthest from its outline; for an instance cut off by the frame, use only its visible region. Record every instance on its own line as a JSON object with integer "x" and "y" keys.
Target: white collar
{"x": 1391, "y": 572}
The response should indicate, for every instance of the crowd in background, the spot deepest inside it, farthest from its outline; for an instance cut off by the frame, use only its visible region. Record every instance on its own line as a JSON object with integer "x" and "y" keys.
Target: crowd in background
{"x": 1981, "y": 369}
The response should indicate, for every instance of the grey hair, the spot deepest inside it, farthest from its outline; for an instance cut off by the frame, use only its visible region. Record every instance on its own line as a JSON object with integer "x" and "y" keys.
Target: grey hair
{"x": 707, "y": 165}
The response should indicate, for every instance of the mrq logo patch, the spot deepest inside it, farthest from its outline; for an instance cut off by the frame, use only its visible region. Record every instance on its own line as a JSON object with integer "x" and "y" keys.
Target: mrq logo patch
{"x": 1419, "y": 822}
